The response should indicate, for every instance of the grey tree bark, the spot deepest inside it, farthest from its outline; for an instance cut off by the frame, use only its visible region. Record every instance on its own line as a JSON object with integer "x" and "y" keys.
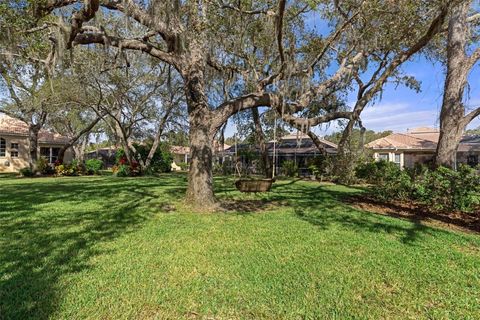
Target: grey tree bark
{"x": 453, "y": 120}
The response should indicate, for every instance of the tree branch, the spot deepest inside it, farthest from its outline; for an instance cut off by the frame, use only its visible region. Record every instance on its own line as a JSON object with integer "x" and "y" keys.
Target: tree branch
{"x": 129, "y": 44}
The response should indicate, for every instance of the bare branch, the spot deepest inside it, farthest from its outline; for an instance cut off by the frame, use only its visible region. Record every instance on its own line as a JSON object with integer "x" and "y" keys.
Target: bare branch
{"x": 129, "y": 44}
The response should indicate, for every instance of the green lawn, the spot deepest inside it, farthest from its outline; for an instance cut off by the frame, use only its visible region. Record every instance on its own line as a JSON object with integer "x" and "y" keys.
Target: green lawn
{"x": 112, "y": 248}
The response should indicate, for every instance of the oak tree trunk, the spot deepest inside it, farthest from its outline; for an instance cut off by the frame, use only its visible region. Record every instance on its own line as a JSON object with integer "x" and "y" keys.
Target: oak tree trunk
{"x": 33, "y": 131}
{"x": 346, "y": 134}
{"x": 450, "y": 135}
{"x": 452, "y": 122}
{"x": 200, "y": 177}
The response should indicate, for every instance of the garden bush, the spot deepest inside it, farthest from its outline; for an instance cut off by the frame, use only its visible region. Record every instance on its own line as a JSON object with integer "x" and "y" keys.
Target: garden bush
{"x": 27, "y": 172}
{"x": 439, "y": 189}
{"x": 121, "y": 170}
{"x": 71, "y": 169}
{"x": 161, "y": 161}
{"x": 290, "y": 169}
{"x": 93, "y": 166}
{"x": 389, "y": 181}
{"x": 344, "y": 170}
{"x": 322, "y": 167}
{"x": 184, "y": 166}
{"x": 447, "y": 189}
{"x": 44, "y": 167}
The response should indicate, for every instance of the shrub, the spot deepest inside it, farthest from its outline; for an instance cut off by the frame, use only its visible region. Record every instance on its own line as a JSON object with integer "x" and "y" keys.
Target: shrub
{"x": 344, "y": 169}
{"x": 290, "y": 169}
{"x": 162, "y": 158}
{"x": 184, "y": 166}
{"x": 314, "y": 170}
{"x": 122, "y": 170}
{"x": 59, "y": 170}
{"x": 120, "y": 157}
{"x": 134, "y": 169}
{"x": 93, "y": 166}
{"x": 439, "y": 189}
{"x": 391, "y": 182}
{"x": 27, "y": 172}
{"x": 69, "y": 169}
{"x": 446, "y": 189}
{"x": 44, "y": 167}
{"x": 80, "y": 166}
{"x": 321, "y": 167}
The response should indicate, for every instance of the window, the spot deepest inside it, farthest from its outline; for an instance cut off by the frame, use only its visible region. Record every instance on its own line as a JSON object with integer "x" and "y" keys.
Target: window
{"x": 14, "y": 150}
{"x": 472, "y": 160}
{"x": 3, "y": 147}
{"x": 54, "y": 156}
{"x": 51, "y": 154}
{"x": 383, "y": 156}
{"x": 397, "y": 159}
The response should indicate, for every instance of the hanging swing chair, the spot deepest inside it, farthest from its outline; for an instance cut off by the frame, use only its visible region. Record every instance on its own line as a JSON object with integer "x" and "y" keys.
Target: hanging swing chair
{"x": 251, "y": 184}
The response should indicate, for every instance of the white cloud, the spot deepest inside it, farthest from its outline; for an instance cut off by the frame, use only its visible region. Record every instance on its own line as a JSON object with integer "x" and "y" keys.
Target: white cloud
{"x": 398, "y": 117}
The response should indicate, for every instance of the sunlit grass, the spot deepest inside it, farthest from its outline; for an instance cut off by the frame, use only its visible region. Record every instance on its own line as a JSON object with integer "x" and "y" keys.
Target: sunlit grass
{"x": 113, "y": 248}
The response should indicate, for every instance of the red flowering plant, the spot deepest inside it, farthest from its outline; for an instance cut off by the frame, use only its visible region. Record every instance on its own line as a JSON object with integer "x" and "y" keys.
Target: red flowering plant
{"x": 134, "y": 168}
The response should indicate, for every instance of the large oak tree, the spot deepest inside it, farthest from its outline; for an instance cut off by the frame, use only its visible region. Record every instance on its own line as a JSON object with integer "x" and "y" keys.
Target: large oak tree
{"x": 237, "y": 55}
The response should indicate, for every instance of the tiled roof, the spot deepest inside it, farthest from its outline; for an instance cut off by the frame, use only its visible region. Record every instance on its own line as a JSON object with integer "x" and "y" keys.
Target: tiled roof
{"x": 14, "y": 127}
{"x": 402, "y": 141}
{"x": 179, "y": 150}
{"x": 420, "y": 139}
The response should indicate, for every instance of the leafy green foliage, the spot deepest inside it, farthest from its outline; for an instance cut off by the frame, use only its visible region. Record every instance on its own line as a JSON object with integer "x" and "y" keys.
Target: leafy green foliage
{"x": 93, "y": 166}
{"x": 290, "y": 169}
{"x": 27, "y": 172}
{"x": 322, "y": 167}
{"x": 439, "y": 189}
{"x": 70, "y": 169}
{"x": 161, "y": 161}
{"x": 122, "y": 170}
{"x": 389, "y": 181}
{"x": 43, "y": 166}
{"x": 446, "y": 189}
{"x": 356, "y": 136}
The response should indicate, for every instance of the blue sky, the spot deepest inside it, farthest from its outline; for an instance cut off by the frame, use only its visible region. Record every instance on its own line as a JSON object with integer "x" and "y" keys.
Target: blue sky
{"x": 402, "y": 108}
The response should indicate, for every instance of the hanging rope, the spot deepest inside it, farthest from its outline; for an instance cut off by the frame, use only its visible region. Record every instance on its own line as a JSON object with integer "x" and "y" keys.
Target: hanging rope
{"x": 274, "y": 144}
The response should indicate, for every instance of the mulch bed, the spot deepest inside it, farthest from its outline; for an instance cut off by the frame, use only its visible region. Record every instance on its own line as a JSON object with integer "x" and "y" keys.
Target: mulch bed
{"x": 467, "y": 222}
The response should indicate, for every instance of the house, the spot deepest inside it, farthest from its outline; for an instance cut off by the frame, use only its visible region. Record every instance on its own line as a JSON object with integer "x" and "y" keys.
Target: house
{"x": 14, "y": 145}
{"x": 106, "y": 154}
{"x": 296, "y": 147}
{"x": 419, "y": 145}
{"x": 181, "y": 155}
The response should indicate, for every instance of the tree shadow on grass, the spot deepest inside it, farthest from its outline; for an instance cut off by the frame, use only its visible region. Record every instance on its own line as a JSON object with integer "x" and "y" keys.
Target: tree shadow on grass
{"x": 53, "y": 228}
{"x": 323, "y": 207}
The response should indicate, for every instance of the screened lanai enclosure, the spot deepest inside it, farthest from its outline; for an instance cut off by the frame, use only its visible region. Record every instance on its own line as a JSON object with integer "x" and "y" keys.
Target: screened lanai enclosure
{"x": 296, "y": 147}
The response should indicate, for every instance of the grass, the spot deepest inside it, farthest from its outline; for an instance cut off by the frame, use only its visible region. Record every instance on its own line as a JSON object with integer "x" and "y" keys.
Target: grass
{"x": 112, "y": 248}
